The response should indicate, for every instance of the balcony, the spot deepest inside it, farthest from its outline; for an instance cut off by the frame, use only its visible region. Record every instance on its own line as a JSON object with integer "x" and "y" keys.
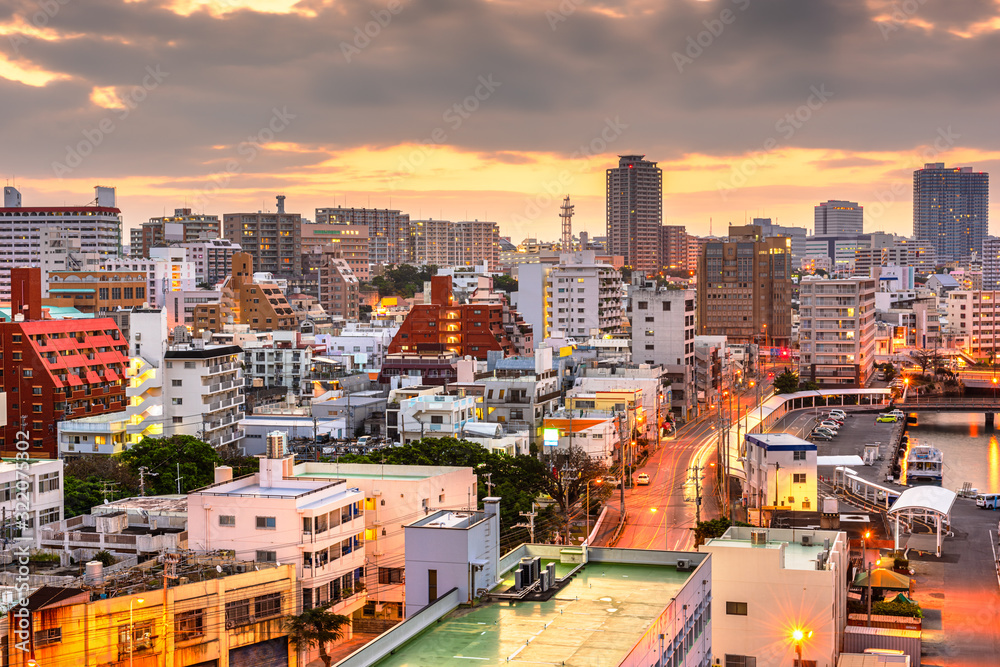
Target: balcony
{"x": 221, "y": 368}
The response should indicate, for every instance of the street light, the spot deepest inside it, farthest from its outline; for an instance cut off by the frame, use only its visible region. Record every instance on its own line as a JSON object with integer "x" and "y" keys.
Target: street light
{"x": 797, "y": 636}
{"x": 131, "y": 629}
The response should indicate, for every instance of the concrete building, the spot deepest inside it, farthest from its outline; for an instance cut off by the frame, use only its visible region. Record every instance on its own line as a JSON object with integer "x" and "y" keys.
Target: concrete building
{"x": 365, "y": 344}
{"x": 663, "y": 326}
{"x": 96, "y": 292}
{"x": 972, "y": 320}
{"x": 463, "y": 243}
{"x": 781, "y": 472}
{"x": 435, "y": 416}
{"x": 167, "y": 270}
{"x": 635, "y": 212}
{"x": 338, "y": 286}
{"x": 182, "y": 227}
{"x": 842, "y": 251}
{"x": 951, "y": 209}
{"x": 394, "y": 496}
{"x": 273, "y": 240}
{"x": 991, "y": 263}
{"x": 942, "y": 284}
{"x": 745, "y": 288}
{"x": 674, "y": 247}
{"x": 351, "y": 241}
{"x": 837, "y": 331}
{"x": 799, "y": 582}
{"x": 98, "y": 226}
{"x": 390, "y": 237}
{"x": 247, "y": 298}
{"x": 33, "y": 493}
{"x": 211, "y": 258}
{"x": 286, "y": 360}
{"x": 206, "y": 392}
{"x": 838, "y": 218}
{"x": 63, "y": 251}
{"x": 579, "y": 297}
{"x": 797, "y": 235}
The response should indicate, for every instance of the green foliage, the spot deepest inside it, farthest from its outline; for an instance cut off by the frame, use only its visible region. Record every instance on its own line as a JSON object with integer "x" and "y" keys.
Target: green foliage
{"x": 79, "y": 495}
{"x": 504, "y": 283}
{"x": 786, "y": 383}
{"x": 197, "y": 461}
{"x": 808, "y": 385}
{"x": 105, "y": 558}
{"x": 43, "y": 558}
{"x": 404, "y": 280}
{"x": 84, "y": 477}
{"x": 892, "y": 608}
{"x": 316, "y": 627}
{"x": 706, "y": 530}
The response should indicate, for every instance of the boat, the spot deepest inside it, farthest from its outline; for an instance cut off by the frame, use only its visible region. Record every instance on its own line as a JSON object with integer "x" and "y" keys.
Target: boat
{"x": 924, "y": 465}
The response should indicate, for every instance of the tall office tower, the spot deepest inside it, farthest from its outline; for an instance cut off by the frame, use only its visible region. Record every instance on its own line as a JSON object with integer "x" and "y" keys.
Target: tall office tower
{"x": 951, "y": 209}
{"x": 182, "y": 226}
{"x": 745, "y": 288}
{"x": 674, "y": 247}
{"x": 390, "y": 237}
{"x": 273, "y": 240}
{"x": 991, "y": 263}
{"x": 635, "y": 212}
{"x": 838, "y": 218}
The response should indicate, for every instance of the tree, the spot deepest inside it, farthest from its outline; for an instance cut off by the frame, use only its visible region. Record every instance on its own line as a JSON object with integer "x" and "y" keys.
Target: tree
{"x": 786, "y": 383}
{"x": 79, "y": 495}
{"x": 707, "y": 530}
{"x": 85, "y": 477}
{"x": 316, "y": 627}
{"x": 567, "y": 482}
{"x": 197, "y": 460}
{"x": 504, "y": 283}
{"x": 808, "y": 385}
{"x": 925, "y": 358}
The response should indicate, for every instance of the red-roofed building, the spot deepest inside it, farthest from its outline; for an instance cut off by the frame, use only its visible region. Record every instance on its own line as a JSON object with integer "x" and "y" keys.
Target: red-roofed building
{"x": 54, "y": 370}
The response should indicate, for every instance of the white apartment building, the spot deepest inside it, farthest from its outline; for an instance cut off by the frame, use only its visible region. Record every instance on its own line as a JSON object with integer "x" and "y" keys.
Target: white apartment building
{"x": 395, "y": 495}
{"x": 520, "y": 402}
{"x": 991, "y": 263}
{"x": 316, "y": 525}
{"x": 167, "y": 270}
{"x": 462, "y": 243}
{"x": 435, "y": 416}
{"x": 663, "y": 328}
{"x": 649, "y": 381}
{"x": 974, "y": 321}
{"x": 36, "y": 491}
{"x": 62, "y": 251}
{"x": 364, "y": 343}
{"x": 837, "y": 331}
{"x": 781, "y": 471}
{"x": 211, "y": 258}
{"x": 180, "y": 305}
{"x": 205, "y": 388}
{"x": 579, "y": 297}
{"x": 798, "y": 582}
{"x": 284, "y": 361}
{"x": 97, "y": 226}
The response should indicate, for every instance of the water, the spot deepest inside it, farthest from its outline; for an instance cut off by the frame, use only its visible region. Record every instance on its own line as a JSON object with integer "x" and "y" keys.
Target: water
{"x": 971, "y": 453}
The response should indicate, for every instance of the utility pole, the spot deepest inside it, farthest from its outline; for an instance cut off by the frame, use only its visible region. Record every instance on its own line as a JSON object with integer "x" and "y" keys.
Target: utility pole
{"x": 108, "y": 488}
{"x": 143, "y": 471}
{"x": 179, "y": 478}
{"x": 696, "y": 478}
{"x": 621, "y": 471}
{"x": 530, "y": 516}
{"x": 489, "y": 483}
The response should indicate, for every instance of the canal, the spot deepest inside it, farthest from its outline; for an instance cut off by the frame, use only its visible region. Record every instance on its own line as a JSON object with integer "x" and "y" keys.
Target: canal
{"x": 971, "y": 453}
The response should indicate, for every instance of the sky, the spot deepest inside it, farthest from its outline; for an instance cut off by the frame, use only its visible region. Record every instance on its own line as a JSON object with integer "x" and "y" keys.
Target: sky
{"x": 496, "y": 109}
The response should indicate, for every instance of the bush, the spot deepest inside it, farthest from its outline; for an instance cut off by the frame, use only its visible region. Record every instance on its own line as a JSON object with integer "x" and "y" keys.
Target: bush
{"x": 105, "y": 558}
{"x": 890, "y": 608}
{"x": 43, "y": 558}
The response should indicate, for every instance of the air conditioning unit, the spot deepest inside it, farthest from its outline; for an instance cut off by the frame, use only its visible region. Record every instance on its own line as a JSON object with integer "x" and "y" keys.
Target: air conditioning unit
{"x": 376, "y": 493}
{"x": 807, "y": 540}
{"x": 758, "y": 537}
{"x": 683, "y": 564}
{"x": 138, "y": 335}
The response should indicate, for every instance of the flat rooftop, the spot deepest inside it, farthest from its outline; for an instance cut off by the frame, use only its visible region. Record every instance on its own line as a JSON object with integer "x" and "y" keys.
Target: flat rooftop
{"x": 797, "y": 556}
{"x": 325, "y": 470}
{"x": 595, "y": 620}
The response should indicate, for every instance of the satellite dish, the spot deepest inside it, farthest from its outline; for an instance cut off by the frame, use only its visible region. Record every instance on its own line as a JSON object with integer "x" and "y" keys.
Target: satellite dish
{"x": 218, "y": 568}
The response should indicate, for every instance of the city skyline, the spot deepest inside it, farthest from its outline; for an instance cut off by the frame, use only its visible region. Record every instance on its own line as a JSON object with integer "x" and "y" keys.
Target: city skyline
{"x": 297, "y": 99}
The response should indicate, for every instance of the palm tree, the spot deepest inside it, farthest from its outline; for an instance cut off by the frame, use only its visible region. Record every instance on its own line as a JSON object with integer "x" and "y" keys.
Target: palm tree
{"x": 316, "y": 626}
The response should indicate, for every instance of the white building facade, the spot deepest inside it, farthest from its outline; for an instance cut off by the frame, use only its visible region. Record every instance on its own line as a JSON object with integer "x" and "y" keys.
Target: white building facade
{"x": 837, "y": 331}
{"x": 204, "y": 392}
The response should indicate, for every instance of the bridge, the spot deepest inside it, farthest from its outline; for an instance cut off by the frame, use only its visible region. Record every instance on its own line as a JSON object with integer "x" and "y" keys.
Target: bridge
{"x": 987, "y": 406}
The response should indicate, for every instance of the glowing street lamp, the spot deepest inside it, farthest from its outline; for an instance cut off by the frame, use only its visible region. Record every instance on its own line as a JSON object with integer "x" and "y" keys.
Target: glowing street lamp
{"x": 798, "y": 635}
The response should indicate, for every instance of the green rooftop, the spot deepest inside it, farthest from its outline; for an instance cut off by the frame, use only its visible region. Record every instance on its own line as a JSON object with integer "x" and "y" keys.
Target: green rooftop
{"x": 595, "y": 620}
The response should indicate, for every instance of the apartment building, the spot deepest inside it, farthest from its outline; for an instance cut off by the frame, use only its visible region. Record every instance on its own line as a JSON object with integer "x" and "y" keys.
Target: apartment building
{"x": 206, "y": 392}
{"x": 635, "y": 212}
{"x": 390, "y": 237}
{"x": 63, "y": 251}
{"x": 351, "y": 241}
{"x": 837, "y": 331}
{"x": 260, "y": 304}
{"x": 284, "y": 361}
{"x": 211, "y": 258}
{"x": 745, "y": 288}
{"x": 663, "y": 327}
{"x": 55, "y": 369}
{"x": 96, "y": 291}
{"x": 579, "y": 297}
{"x": 167, "y": 270}
{"x": 463, "y": 243}
{"x": 674, "y": 247}
{"x": 991, "y": 263}
{"x": 36, "y": 491}
{"x": 338, "y": 285}
{"x": 435, "y": 416}
{"x": 273, "y": 240}
{"x": 98, "y": 226}
{"x": 365, "y": 344}
{"x": 181, "y": 227}
{"x": 974, "y": 321}
{"x": 951, "y": 209}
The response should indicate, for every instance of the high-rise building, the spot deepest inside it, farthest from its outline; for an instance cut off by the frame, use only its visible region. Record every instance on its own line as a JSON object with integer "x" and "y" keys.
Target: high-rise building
{"x": 745, "y": 288}
{"x": 273, "y": 240}
{"x": 837, "y": 331}
{"x": 674, "y": 247}
{"x": 991, "y": 263}
{"x": 98, "y": 226}
{"x": 838, "y": 218}
{"x": 338, "y": 285}
{"x": 951, "y": 209}
{"x": 182, "y": 226}
{"x": 635, "y": 212}
{"x": 798, "y": 235}
{"x": 166, "y": 271}
{"x": 211, "y": 258}
{"x": 390, "y": 238}
{"x": 353, "y": 242}
{"x": 463, "y": 243}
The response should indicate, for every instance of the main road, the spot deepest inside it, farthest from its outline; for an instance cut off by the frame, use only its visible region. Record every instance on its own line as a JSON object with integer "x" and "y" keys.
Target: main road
{"x": 662, "y": 515}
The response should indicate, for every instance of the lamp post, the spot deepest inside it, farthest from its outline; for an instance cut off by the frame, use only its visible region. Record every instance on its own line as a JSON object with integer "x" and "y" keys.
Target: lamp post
{"x": 797, "y": 636}
{"x": 868, "y": 567}
{"x": 131, "y": 629}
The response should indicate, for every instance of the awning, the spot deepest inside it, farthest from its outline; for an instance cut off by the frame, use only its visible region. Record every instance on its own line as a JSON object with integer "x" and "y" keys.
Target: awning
{"x": 886, "y": 579}
{"x": 110, "y": 375}
{"x": 931, "y": 498}
{"x": 93, "y": 377}
{"x": 74, "y": 380}
{"x": 851, "y": 460}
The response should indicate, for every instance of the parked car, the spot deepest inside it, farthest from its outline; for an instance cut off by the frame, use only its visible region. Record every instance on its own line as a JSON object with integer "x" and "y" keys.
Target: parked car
{"x": 899, "y": 413}
{"x": 886, "y": 418}
{"x": 819, "y": 435}
{"x": 642, "y": 479}
{"x": 827, "y": 431}
{"x": 839, "y": 413}
{"x": 363, "y": 441}
{"x": 987, "y": 501}
{"x": 611, "y": 481}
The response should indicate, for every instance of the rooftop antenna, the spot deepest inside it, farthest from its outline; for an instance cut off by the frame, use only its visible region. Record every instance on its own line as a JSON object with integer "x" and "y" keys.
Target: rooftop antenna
{"x": 566, "y": 214}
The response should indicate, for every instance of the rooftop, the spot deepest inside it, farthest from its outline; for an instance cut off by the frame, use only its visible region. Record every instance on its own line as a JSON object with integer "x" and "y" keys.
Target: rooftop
{"x": 307, "y": 470}
{"x": 595, "y": 620}
{"x": 796, "y": 555}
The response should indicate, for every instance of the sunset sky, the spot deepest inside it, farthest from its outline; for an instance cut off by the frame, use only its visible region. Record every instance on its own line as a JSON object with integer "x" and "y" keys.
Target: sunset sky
{"x": 496, "y": 109}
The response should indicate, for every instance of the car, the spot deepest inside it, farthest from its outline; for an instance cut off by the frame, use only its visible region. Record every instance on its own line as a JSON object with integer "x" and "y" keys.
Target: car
{"x": 886, "y": 418}
{"x": 823, "y": 429}
{"x": 642, "y": 479}
{"x": 833, "y": 418}
{"x": 899, "y": 413}
{"x": 818, "y": 435}
{"x": 833, "y": 426}
{"x": 611, "y": 481}
{"x": 839, "y": 413}
{"x": 987, "y": 501}
{"x": 363, "y": 441}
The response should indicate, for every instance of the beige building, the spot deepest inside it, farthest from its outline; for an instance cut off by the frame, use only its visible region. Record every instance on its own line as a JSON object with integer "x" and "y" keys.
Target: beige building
{"x": 463, "y": 243}
{"x": 974, "y": 321}
{"x": 351, "y": 240}
{"x": 338, "y": 286}
{"x": 837, "y": 331}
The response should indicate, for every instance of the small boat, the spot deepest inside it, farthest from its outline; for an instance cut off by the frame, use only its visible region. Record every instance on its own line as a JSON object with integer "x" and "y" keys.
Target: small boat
{"x": 924, "y": 465}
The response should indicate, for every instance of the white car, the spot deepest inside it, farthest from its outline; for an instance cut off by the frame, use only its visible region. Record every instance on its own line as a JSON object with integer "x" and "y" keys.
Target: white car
{"x": 833, "y": 426}
{"x": 838, "y": 413}
{"x": 642, "y": 479}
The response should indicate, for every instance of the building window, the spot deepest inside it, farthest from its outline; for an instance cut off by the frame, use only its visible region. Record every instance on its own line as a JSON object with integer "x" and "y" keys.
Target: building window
{"x": 176, "y": 383}
{"x": 736, "y": 608}
{"x": 666, "y": 306}
{"x": 176, "y": 401}
{"x": 266, "y": 606}
{"x": 136, "y": 638}
{"x": 642, "y": 305}
{"x": 177, "y": 420}
{"x": 740, "y": 661}
{"x": 266, "y": 523}
{"x": 189, "y": 624}
{"x": 190, "y": 364}
{"x": 799, "y": 456}
{"x": 799, "y": 478}
{"x": 390, "y": 575}
{"x": 267, "y": 557}
{"x": 48, "y": 636}
{"x": 238, "y": 613}
{"x": 227, "y": 519}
